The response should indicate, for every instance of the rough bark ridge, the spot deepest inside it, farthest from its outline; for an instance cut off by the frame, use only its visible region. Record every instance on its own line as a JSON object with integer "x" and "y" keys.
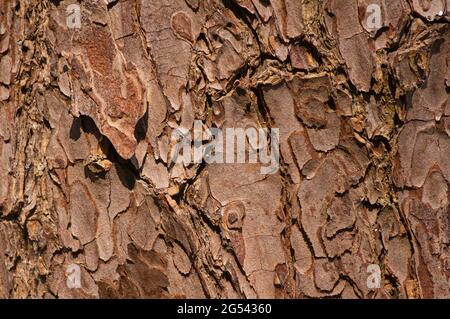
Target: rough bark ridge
{"x": 85, "y": 126}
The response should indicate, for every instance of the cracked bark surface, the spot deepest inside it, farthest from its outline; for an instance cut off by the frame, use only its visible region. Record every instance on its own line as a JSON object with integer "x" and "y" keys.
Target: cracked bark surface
{"x": 85, "y": 125}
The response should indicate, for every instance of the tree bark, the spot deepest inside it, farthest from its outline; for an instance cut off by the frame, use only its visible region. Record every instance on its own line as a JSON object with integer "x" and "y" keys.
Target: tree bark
{"x": 86, "y": 124}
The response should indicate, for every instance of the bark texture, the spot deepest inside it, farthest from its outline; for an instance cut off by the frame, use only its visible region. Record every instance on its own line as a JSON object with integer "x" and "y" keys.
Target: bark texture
{"x": 85, "y": 125}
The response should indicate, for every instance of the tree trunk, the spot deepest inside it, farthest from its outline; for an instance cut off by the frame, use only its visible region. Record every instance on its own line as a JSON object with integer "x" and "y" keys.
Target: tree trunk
{"x": 90, "y": 100}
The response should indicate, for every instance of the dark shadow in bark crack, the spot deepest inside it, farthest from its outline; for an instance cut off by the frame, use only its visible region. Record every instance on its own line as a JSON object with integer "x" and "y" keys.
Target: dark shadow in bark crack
{"x": 75, "y": 129}
{"x": 126, "y": 176}
{"x": 141, "y": 128}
